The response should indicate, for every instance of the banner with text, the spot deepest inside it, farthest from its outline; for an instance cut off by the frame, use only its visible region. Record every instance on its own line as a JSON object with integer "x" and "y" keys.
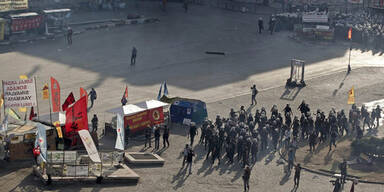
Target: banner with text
{"x": 12, "y": 5}
{"x": 19, "y": 93}
{"x": 141, "y": 120}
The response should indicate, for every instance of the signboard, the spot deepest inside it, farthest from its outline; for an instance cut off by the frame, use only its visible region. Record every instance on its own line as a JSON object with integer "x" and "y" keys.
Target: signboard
{"x": 11, "y": 5}
{"x": 19, "y": 93}
{"x": 315, "y": 18}
{"x": 145, "y": 118}
{"x": 22, "y": 24}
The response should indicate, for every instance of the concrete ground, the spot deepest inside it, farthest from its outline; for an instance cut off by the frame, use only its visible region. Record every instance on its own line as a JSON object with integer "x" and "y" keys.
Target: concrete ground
{"x": 174, "y": 50}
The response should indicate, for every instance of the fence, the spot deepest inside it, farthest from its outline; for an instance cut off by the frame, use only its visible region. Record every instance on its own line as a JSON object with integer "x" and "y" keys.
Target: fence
{"x": 78, "y": 164}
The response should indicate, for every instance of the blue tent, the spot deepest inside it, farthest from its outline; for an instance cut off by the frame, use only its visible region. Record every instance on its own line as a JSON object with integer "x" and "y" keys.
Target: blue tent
{"x": 194, "y": 110}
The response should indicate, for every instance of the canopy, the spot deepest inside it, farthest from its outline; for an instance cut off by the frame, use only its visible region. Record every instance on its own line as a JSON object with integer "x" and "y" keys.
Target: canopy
{"x": 132, "y": 109}
{"x": 56, "y": 11}
{"x": 20, "y": 15}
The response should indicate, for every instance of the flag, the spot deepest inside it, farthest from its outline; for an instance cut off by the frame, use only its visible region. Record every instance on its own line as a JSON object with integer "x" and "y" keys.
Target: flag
{"x": 76, "y": 117}
{"x": 42, "y": 140}
{"x": 83, "y": 92}
{"x": 350, "y": 33}
{"x": 23, "y": 109}
{"x": 32, "y": 114}
{"x": 70, "y": 99}
{"x": 124, "y": 99}
{"x": 159, "y": 95}
{"x": 120, "y": 132}
{"x": 165, "y": 88}
{"x": 351, "y": 96}
{"x": 58, "y": 129}
{"x": 55, "y": 93}
{"x": 12, "y": 113}
{"x": 45, "y": 92}
{"x": 1, "y": 100}
{"x": 89, "y": 146}
{"x": 4, "y": 126}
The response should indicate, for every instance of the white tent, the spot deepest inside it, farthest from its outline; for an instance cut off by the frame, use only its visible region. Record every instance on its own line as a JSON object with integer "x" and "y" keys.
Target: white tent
{"x": 132, "y": 109}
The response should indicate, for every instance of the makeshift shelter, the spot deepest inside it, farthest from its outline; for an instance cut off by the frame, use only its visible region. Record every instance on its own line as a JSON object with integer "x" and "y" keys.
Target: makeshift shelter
{"x": 185, "y": 110}
{"x": 139, "y": 116}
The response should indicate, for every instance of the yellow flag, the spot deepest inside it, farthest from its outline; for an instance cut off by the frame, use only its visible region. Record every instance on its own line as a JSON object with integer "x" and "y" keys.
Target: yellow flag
{"x": 58, "y": 129}
{"x": 1, "y": 100}
{"x": 45, "y": 92}
{"x": 23, "y": 109}
{"x": 351, "y": 96}
{"x": 12, "y": 113}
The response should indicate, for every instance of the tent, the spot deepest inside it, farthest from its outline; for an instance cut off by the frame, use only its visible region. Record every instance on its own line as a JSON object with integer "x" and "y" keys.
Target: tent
{"x": 186, "y": 110}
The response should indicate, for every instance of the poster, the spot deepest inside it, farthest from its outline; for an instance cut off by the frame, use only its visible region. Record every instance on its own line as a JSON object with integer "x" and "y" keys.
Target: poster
{"x": 26, "y": 23}
{"x": 143, "y": 119}
{"x": 89, "y": 146}
{"x": 12, "y": 5}
{"x": 19, "y": 93}
{"x": 351, "y": 96}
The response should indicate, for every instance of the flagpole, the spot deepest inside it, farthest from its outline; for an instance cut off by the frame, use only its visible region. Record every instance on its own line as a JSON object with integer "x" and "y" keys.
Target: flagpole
{"x": 37, "y": 100}
{"x": 50, "y": 110}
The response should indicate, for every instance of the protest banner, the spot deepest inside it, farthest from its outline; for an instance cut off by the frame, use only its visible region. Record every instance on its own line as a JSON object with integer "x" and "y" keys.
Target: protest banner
{"x": 19, "y": 93}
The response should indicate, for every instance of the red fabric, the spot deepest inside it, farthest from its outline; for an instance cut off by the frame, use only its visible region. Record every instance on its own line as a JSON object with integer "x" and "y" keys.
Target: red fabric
{"x": 70, "y": 99}
{"x": 156, "y": 116}
{"x": 76, "y": 117}
{"x": 55, "y": 93}
{"x": 83, "y": 92}
{"x": 26, "y": 23}
{"x": 32, "y": 114}
{"x": 36, "y": 151}
{"x": 126, "y": 92}
{"x": 141, "y": 120}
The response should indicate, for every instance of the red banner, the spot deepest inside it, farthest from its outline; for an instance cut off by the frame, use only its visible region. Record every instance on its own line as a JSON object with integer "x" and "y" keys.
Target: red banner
{"x": 70, "y": 99}
{"x": 55, "y": 93}
{"x": 83, "y": 92}
{"x": 76, "y": 117}
{"x": 26, "y": 23}
{"x": 141, "y": 120}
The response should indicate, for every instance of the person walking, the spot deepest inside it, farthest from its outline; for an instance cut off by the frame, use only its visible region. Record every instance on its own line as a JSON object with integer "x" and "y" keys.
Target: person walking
{"x": 95, "y": 121}
{"x": 133, "y": 57}
{"x": 69, "y": 35}
{"x": 148, "y": 134}
{"x": 190, "y": 155}
{"x": 185, "y": 154}
{"x": 343, "y": 171}
{"x": 246, "y": 176}
{"x": 192, "y": 132}
{"x": 254, "y": 93}
{"x": 93, "y": 96}
{"x": 261, "y": 24}
{"x": 296, "y": 178}
{"x": 165, "y": 136}
{"x": 157, "y": 137}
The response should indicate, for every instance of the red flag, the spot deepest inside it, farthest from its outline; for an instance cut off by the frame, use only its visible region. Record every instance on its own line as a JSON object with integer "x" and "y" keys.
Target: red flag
{"x": 32, "y": 114}
{"x": 55, "y": 93}
{"x": 126, "y": 92}
{"x": 83, "y": 92}
{"x": 350, "y": 33}
{"x": 70, "y": 99}
{"x": 76, "y": 117}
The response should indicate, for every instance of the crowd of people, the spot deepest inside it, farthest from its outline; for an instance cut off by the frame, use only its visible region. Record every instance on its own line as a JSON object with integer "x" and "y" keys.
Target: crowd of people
{"x": 242, "y": 135}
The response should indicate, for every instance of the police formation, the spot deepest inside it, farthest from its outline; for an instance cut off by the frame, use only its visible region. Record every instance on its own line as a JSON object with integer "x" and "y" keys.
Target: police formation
{"x": 240, "y": 137}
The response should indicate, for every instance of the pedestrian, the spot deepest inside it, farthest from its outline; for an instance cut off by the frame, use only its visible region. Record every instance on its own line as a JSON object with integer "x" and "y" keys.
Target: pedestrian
{"x": 272, "y": 23}
{"x": 296, "y": 178}
{"x": 95, "y": 121}
{"x": 254, "y": 93}
{"x": 291, "y": 159}
{"x": 69, "y": 35}
{"x": 133, "y": 57}
{"x": 93, "y": 96}
{"x": 192, "y": 132}
{"x": 157, "y": 137}
{"x": 246, "y": 176}
{"x": 189, "y": 159}
{"x": 343, "y": 171}
{"x": 127, "y": 134}
{"x": 185, "y": 154}
{"x": 148, "y": 134}
{"x": 165, "y": 136}
{"x": 261, "y": 25}
{"x": 378, "y": 115}
{"x": 332, "y": 141}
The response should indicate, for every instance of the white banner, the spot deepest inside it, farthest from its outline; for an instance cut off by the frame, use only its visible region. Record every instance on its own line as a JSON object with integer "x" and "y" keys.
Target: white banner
{"x": 89, "y": 146}
{"x": 356, "y": 1}
{"x": 120, "y": 142}
{"x": 42, "y": 140}
{"x": 19, "y": 93}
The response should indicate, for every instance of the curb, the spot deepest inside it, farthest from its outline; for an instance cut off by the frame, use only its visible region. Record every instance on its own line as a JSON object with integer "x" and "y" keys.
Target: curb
{"x": 331, "y": 175}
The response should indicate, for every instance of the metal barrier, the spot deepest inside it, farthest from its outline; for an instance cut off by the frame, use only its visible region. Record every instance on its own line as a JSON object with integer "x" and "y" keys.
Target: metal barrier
{"x": 78, "y": 164}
